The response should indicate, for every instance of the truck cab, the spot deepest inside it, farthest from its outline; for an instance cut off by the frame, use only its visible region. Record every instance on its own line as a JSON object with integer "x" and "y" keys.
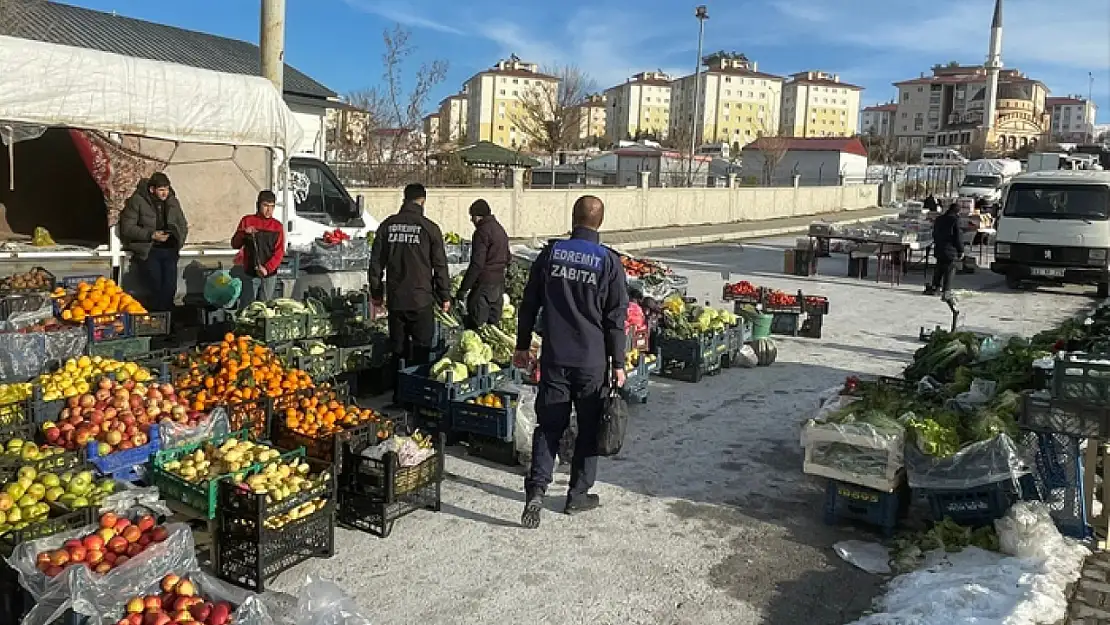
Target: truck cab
{"x": 1054, "y": 228}
{"x": 985, "y": 178}
{"x": 321, "y": 203}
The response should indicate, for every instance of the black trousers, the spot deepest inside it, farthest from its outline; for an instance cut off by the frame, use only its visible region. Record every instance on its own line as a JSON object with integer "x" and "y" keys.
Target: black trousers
{"x": 158, "y": 272}
{"x": 483, "y": 304}
{"x": 410, "y": 338}
{"x": 561, "y": 389}
{"x": 942, "y": 274}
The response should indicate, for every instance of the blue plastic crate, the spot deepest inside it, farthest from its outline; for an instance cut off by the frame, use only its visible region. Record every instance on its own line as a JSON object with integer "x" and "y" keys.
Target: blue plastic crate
{"x": 108, "y": 327}
{"x": 973, "y": 507}
{"x": 71, "y": 282}
{"x": 849, "y": 502}
{"x": 1058, "y": 480}
{"x": 416, "y": 388}
{"x": 473, "y": 418}
{"x": 122, "y": 464}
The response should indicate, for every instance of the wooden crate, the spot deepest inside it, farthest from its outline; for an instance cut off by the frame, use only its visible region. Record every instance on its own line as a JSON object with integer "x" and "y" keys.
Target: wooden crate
{"x": 816, "y": 436}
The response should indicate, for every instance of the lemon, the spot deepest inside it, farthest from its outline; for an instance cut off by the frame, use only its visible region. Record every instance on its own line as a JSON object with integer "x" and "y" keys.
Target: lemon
{"x": 84, "y": 361}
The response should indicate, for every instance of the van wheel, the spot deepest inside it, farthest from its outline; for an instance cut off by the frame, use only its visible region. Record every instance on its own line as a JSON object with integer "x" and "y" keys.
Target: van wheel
{"x": 1012, "y": 282}
{"x": 1104, "y": 289}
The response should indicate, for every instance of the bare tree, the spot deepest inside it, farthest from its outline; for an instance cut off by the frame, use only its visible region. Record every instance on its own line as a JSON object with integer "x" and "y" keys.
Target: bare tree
{"x": 547, "y": 117}
{"x": 772, "y": 147}
{"x": 386, "y": 128}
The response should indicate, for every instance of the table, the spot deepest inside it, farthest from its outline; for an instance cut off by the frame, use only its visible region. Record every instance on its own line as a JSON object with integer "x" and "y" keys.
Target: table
{"x": 905, "y": 250}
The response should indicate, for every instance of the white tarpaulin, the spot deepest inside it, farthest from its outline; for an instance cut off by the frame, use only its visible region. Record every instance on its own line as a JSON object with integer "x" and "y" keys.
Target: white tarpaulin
{"x": 51, "y": 85}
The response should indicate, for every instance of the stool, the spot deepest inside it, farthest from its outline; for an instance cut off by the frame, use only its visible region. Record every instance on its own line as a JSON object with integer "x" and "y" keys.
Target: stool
{"x": 858, "y": 259}
{"x": 890, "y": 261}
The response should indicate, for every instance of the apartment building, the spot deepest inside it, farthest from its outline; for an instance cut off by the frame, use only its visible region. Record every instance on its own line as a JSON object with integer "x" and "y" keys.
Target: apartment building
{"x": 640, "y": 106}
{"x": 452, "y": 118}
{"x": 949, "y": 108}
{"x": 1073, "y": 119}
{"x": 495, "y": 101}
{"x": 431, "y": 130}
{"x": 878, "y": 120}
{"x": 589, "y": 118}
{"x": 818, "y": 104}
{"x": 738, "y": 103}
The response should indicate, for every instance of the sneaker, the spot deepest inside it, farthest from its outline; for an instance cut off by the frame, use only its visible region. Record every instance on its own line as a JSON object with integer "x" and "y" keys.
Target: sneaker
{"x": 530, "y": 518}
{"x": 582, "y": 503}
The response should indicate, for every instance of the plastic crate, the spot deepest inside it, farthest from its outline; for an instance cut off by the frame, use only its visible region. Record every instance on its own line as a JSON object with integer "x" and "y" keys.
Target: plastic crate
{"x": 786, "y": 323}
{"x": 51, "y": 282}
{"x": 319, "y": 366}
{"x": 492, "y": 449}
{"x": 57, "y": 463}
{"x": 290, "y": 266}
{"x": 972, "y": 507}
{"x": 735, "y": 339}
{"x": 252, "y": 415}
{"x": 358, "y": 358}
{"x": 14, "y": 601}
{"x": 689, "y": 360}
{"x": 72, "y": 282}
{"x": 322, "y": 326}
{"x": 121, "y": 349}
{"x": 328, "y": 448}
{"x": 727, "y": 296}
{"x": 1083, "y": 378}
{"x": 1045, "y": 414}
{"x": 1058, "y": 476}
{"x": 60, "y": 520}
{"x": 445, "y": 336}
{"x": 812, "y": 326}
{"x": 376, "y": 381}
{"x": 417, "y": 388}
{"x": 14, "y": 415}
{"x": 149, "y": 324}
{"x": 124, "y": 465}
{"x": 107, "y": 327}
{"x": 474, "y": 418}
{"x": 849, "y": 502}
{"x": 274, "y": 330}
{"x": 248, "y": 558}
{"x": 373, "y": 494}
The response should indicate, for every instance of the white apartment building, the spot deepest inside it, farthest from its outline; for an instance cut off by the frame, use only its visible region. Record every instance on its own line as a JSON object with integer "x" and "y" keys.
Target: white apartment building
{"x": 818, "y": 104}
{"x": 589, "y": 118}
{"x": 738, "y": 103}
{"x": 640, "y": 106}
{"x": 495, "y": 101}
{"x": 1073, "y": 119}
{"x": 452, "y": 118}
{"x": 878, "y": 120}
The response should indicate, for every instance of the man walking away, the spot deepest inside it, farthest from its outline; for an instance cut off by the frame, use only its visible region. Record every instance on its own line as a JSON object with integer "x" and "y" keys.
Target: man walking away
{"x": 153, "y": 228}
{"x": 948, "y": 247}
{"x": 260, "y": 240}
{"x": 930, "y": 204}
{"x": 485, "y": 277}
{"x": 408, "y": 247}
{"x": 580, "y": 286}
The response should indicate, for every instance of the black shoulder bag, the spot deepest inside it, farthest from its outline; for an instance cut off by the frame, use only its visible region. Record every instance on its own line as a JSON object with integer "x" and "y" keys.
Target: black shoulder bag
{"x": 614, "y": 421}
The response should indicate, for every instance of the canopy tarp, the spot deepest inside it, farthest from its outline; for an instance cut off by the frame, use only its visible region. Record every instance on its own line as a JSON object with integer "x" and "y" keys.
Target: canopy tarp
{"x": 44, "y": 84}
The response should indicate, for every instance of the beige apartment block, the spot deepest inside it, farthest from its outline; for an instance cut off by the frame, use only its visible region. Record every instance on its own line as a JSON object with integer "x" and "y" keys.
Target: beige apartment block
{"x": 639, "y": 106}
{"x": 452, "y": 118}
{"x": 495, "y": 99}
{"x": 878, "y": 120}
{"x": 589, "y": 118}
{"x": 818, "y": 104}
{"x": 1073, "y": 118}
{"x": 738, "y": 103}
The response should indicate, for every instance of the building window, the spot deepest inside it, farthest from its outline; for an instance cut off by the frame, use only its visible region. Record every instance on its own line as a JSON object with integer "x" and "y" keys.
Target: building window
{"x": 502, "y": 92}
{"x": 500, "y": 127}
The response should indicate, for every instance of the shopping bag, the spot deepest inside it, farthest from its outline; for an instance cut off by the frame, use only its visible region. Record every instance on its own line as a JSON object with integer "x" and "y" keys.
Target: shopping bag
{"x": 614, "y": 422}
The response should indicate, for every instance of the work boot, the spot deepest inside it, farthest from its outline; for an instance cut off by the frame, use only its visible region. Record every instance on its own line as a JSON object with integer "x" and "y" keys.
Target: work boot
{"x": 581, "y": 503}
{"x": 930, "y": 290}
{"x": 533, "y": 506}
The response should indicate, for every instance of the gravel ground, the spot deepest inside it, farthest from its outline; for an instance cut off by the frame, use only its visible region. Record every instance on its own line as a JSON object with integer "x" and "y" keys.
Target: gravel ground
{"x": 706, "y": 516}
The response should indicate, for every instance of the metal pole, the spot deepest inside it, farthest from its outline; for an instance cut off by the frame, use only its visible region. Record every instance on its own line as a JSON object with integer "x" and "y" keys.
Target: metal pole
{"x": 272, "y": 42}
{"x": 702, "y": 14}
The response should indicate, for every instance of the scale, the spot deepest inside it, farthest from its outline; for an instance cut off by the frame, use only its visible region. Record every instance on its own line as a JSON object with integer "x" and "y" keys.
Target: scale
{"x": 953, "y": 305}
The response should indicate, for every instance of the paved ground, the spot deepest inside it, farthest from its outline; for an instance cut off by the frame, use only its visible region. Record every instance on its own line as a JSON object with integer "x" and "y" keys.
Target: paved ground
{"x": 707, "y": 518}
{"x": 1090, "y": 603}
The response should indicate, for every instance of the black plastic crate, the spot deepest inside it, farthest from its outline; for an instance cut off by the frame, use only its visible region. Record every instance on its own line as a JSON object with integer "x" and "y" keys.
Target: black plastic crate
{"x": 60, "y": 520}
{"x": 493, "y": 422}
{"x": 786, "y": 323}
{"x": 431, "y": 420}
{"x": 1045, "y": 414}
{"x": 75, "y": 460}
{"x": 417, "y": 388}
{"x": 120, "y": 349}
{"x": 972, "y": 507}
{"x": 373, "y": 494}
{"x": 72, "y": 282}
{"x": 376, "y": 381}
{"x": 319, "y": 366}
{"x": 252, "y": 414}
{"x": 1058, "y": 480}
{"x": 323, "y": 326}
{"x": 328, "y": 447}
{"x": 107, "y": 327}
{"x": 850, "y": 502}
{"x": 689, "y": 360}
{"x": 47, "y": 286}
{"x": 735, "y": 339}
{"x": 1082, "y": 378}
{"x": 243, "y": 513}
{"x": 14, "y": 601}
{"x": 247, "y": 559}
{"x": 13, "y": 416}
{"x": 493, "y": 449}
{"x": 274, "y": 330}
{"x": 149, "y": 324}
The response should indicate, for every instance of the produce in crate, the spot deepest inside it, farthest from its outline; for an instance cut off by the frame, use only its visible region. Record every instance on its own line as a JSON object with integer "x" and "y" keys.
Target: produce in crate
{"x": 465, "y": 358}
{"x": 685, "y": 322}
{"x": 117, "y": 540}
{"x": 117, "y": 416}
{"x": 302, "y": 511}
{"x": 72, "y": 378}
{"x": 501, "y": 344}
{"x": 102, "y": 297}
{"x": 18, "y": 449}
{"x": 410, "y": 450}
{"x": 210, "y": 461}
{"x": 742, "y": 289}
{"x": 632, "y": 359}
{"x": 236, "y": 370}
{"x": 452, "y": 238}
{"x": 642, "y": 268}
{"x": 280, "y": 481}
{"x": 27, "y": 499}
{"x": 489, "y": 400}
{"x": 34, "y": 280}
{"x": 335, "y": 237}
{"x": 446, "y": 319}
{"x": 179, "y": 603}
{"x": 316, "y": 417}
{"x": 13, "y": 393}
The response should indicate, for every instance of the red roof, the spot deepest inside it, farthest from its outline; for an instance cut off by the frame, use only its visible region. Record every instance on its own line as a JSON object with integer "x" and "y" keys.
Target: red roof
{"x": 1064, "y": 101}
{"x": 850, "y": 145}
{"x": 888, "y": 108}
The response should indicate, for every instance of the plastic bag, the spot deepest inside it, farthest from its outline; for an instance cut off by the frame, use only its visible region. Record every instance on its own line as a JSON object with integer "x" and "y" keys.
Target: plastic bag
{"x": 978, "y": 464}
{"x": 981, "y": 392}
{"x": 525, "y": 419}
{"x": 22, "y": 356}
{"x": 131, "y": 500}
{"x": 172, "y": 434}
{"x": 222, "y": 289}
{"x": 989, "y": 349}
{"x": 871, "y": 557}
{"x": 40, "y": 237}
{"x": 86, "y": 592}
{"x": 353, "y": 255}
{"x": 457, "y": 253}
{"x": 322, "y": 602}
{"x": 747, "y": 358}
{"x": 858, "y": 453}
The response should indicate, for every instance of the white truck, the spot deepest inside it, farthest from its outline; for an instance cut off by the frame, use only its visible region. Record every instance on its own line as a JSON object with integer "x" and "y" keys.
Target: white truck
{"x": 984, "y": 178}
{"x": 1054, "y": 228}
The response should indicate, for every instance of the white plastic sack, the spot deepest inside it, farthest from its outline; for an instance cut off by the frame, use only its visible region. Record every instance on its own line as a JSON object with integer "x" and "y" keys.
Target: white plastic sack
{"x": 525, "y": 424}
{"x": 871, "y": 557}
{"x": 131, "y": 500}
{"x": 173, "y": 434}
{"x": 322, "y": 602}
{"x": 747, "y": 358}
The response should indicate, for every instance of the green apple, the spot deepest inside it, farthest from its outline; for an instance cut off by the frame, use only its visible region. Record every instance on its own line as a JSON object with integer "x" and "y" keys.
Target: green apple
{"x": 80, "y": 502}
{"x": 49, "y": 480}
{"x": 54, "y": 493}
{"x": 25, "y": 483}
{"x": 107, "y": 486}
{"x": 36, "y": 491}
{"x": 66, "y": 477}
{"x": 42, "y": 510}
{"x": 30, "y": 451}
{"x": 67, "y": 500}
{"x": 15, "y": 444}
{"x": 26, "y": 501}
{"x": 15, "y": 490}
{"x": 15, "y": 516}
{"x": 86, "y": 476}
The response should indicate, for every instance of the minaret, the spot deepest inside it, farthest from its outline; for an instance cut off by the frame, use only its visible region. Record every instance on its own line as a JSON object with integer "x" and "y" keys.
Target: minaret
{"x": 993, "y": 66}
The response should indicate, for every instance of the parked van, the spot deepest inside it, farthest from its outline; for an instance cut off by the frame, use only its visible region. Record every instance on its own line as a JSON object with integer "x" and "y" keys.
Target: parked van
{"x": 942, "y": 156}
{"x": 984, "y": 178}
{"x": 1055, "y": 228}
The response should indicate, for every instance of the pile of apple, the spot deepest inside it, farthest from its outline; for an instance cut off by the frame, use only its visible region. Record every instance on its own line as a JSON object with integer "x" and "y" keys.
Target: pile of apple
{"x": 117, "y": 416}
{"x": 178, "y": 603}
{"x": 27, "y": 499}
{"x": 117, "y": 541}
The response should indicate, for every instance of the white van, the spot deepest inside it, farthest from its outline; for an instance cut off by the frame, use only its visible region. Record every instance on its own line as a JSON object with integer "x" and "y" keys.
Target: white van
{"x": 320, "y": 203}
{"x": 942, "y": 156}
{"x": 984, "y": 178}
{"x": 1055, "y": 228}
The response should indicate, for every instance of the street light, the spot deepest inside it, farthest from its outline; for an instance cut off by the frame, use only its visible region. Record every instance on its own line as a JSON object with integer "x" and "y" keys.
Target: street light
{"x": 702, "y": 13}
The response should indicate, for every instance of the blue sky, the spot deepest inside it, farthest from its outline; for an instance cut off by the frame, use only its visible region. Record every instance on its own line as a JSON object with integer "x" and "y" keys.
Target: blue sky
{"x": 868, "y": 42}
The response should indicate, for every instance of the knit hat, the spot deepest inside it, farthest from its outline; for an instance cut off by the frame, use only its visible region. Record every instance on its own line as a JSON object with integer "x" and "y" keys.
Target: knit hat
{"x": 480, "y": 208}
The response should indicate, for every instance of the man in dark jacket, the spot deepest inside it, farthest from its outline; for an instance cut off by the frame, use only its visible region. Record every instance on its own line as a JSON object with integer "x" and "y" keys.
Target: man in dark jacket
{"x": 930, "y": 203}
{"x": 260, "y": 240}
{"x": 948, "y": 247}
{"x": 153, "y": 228}
{"x": 580, "y": 286}
{"x": 408, "y": 247}
{"x": 485, "y": 277}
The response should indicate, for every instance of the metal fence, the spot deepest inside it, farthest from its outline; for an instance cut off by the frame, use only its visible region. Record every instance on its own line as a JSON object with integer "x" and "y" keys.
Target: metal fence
{"x": 389, "y": 175}
{"x": 920, "y": 181}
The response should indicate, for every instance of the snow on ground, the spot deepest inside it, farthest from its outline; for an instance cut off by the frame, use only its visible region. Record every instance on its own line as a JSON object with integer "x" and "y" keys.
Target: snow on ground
{"x": 706, "y": 515}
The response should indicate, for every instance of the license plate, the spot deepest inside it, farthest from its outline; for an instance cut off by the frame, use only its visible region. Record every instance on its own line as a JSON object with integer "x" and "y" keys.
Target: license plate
{"x": 1048, "y": 272}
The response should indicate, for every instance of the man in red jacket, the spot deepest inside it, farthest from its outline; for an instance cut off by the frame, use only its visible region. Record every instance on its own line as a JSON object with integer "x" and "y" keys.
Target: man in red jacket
{"x": 260, "y": 240}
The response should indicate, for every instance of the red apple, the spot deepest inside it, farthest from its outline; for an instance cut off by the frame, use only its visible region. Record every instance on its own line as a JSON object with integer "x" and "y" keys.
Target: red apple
{"x": 146, "y": 523}
{"x": 118, "y": 545}
{"x": 94, "y": 557}
{"x": 159, "y": 534}
{"x": 103, "y": 567}
{"x": 108, "y": 520}
{"x": 185, "y": 588}
{"x": 221, "y": 614}
{"x": 53, "y": 435}
{"x": 59, "y": 557}
{"x": 183, "y": 616}
{"x": 151, "y": 603}
{"x": 87, "y": 401}
{"x": 201, "y": 611}
{"x": 110, "y": 557}
{"x": 135, "y": 619}
{"x": 121, "y": 524}
{"x": 170, "y": 582}
{"x": 78, "y": 553}
{"x": 132, "y": 533}
{"x": 134, "y": 549}
{"x": 73, "y": 542}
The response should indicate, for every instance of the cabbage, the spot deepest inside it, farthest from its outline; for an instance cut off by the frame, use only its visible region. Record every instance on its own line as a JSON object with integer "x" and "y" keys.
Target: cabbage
{"x": 474, "y": 359}
{"x": 456, "y": 370}
{"x": 443, "y": 365}
{"x": 469, "y": 340}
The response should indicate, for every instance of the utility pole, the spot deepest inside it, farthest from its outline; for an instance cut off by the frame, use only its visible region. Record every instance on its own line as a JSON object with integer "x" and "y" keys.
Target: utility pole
{"x": 272, "y": 42}
{"x": 702, "y": 13}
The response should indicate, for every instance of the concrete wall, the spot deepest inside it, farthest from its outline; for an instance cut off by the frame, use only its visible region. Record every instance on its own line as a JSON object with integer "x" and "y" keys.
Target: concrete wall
{"x": 543, "y": 212}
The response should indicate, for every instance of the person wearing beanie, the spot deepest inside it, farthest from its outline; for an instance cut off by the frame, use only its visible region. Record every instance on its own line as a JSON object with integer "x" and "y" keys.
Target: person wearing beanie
{"x": 483, "y": 285}
{"x": 153, "y": 228}
{"x": 260, "y": 240}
